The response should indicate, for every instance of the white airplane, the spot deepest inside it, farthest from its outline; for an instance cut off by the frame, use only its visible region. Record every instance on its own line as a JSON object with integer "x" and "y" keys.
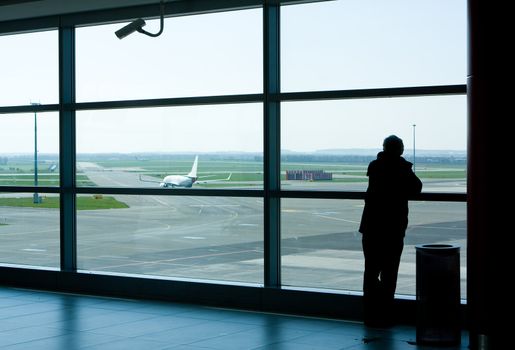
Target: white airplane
{"x": 174, "y": 181}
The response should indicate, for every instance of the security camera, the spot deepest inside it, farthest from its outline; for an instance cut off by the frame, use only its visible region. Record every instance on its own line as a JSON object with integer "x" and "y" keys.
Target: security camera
{"x": 137, "y": 25}
{"x": 130, "y": 28}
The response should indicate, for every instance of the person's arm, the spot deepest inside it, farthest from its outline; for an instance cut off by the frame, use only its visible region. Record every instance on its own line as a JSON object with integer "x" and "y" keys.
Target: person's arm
{"x": 414, "y": 183}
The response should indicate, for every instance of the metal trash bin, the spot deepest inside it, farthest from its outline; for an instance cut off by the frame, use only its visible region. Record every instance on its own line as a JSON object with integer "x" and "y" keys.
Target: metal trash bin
{"x": 438, "y": 294}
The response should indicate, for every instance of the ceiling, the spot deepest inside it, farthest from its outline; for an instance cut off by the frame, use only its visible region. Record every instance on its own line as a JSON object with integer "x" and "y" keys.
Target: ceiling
{"x": 19, "y": 9}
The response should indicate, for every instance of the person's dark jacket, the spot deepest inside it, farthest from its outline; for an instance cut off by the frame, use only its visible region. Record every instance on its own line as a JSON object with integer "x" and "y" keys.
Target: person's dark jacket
{"x": 391, "y": 181}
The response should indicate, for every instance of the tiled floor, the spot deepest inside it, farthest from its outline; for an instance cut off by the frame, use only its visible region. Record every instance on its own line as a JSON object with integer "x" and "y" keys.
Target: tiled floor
{"x": 43, "y": 320}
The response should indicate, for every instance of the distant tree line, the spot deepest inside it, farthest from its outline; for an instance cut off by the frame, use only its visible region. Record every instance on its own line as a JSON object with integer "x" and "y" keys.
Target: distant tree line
{"x": 329, "y": 158}
{"x": 366, "y": 159}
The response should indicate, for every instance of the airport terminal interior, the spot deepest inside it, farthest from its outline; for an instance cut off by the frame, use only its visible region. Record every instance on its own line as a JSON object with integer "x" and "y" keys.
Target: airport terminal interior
{"x": 191, "y": 174}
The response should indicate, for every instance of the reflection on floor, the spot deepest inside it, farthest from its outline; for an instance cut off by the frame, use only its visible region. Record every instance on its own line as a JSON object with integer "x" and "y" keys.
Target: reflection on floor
{"x": 44, "y": 320}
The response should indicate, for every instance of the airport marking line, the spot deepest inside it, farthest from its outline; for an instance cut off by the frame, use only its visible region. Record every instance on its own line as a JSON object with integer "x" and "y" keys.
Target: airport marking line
{"x": 337, "y": 219}
{"x": 177, "y": 259}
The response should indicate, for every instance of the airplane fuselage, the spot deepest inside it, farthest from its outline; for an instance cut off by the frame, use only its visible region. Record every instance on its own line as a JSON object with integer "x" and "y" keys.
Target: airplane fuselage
{"x": 172, "y": 181}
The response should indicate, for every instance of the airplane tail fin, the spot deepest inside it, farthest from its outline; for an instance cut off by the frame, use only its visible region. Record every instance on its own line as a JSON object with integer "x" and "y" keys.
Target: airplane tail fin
{"x": 193, "y": 172}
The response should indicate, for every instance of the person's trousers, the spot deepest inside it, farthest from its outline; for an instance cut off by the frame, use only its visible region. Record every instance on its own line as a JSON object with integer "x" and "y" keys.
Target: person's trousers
{"x": 382, "y": 257}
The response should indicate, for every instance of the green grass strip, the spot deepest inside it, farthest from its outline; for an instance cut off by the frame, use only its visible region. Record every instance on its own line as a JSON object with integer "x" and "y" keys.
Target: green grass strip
{"x": 94, "y": 202}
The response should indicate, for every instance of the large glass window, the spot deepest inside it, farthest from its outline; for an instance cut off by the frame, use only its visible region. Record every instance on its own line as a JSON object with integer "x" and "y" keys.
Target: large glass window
{"x": 28, "y": 68}
{"x": 29, "y": 229}
{"x": 356, "y": 44}
{"x": 140, "y": 147}
{"x": 217, "y": 141}
{"x": 327, "y": 145}
{"x": 209, "y": 54}
{"x": 29, "y": 149}
{"x": 216, "y": 238}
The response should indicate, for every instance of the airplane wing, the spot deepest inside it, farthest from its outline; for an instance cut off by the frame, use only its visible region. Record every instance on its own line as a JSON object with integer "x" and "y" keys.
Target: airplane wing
{"x": 214, "y": 180}
{"x": 151, "y": 181}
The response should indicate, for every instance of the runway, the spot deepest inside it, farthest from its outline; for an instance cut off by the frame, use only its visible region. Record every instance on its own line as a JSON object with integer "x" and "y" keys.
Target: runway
{"x": 221, "y": 238}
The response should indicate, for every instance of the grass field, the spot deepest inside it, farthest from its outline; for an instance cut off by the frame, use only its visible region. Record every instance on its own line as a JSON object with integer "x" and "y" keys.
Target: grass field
{"x": 246, "y": 172}
{"x": 43, "y": 180}
{"x": 22, "y": 173}
{"x": 83, "y": 202}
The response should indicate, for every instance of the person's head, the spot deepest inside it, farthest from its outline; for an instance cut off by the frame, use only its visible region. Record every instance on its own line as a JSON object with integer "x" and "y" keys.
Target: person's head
{"x": 393, "y": 145}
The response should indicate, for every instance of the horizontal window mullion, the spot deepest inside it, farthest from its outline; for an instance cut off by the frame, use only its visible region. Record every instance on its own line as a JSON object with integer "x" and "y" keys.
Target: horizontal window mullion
{"x": 29, "y": 25}
{"x": 433, "y": 197}
{"x": 29, "y": 108}
{"x": 372, "y": 93}
{"x": 24, "y": 189}
{"x": 248, "y": 98}
{"x": 167, "y": 102}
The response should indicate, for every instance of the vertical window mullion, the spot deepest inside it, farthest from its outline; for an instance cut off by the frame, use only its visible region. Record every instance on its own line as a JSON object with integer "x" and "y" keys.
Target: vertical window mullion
{"x": 68, "y": 241}
{"x": 271, "y": 159}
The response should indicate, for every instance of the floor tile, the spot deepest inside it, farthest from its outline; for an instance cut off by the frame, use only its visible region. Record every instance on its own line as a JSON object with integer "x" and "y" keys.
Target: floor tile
{"x": 47, "y": 320}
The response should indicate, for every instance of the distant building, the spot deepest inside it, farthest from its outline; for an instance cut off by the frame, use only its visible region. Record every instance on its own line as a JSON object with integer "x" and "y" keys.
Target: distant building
{"x": 309, "y": 175}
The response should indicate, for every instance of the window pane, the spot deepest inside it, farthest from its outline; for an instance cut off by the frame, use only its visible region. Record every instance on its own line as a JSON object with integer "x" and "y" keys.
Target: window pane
{"x": 216, "y": 238}
{"x": 140, "y": 147}
{"x": 341, "y": 137}
{"x": 29, "y": 232}
{"x": 209, "y": 54}
{"x": 433, "y": 223}
{"x": 18, "y": 159}
{"x": 321, "y": 246}
{"x": 320, "y": 243}
{"x": 333, "y": 45}
{"x": 29, "y": 68}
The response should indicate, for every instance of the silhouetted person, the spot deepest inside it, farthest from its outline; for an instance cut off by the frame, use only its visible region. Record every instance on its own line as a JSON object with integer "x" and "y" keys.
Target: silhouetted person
{"x": 391, "y": 181}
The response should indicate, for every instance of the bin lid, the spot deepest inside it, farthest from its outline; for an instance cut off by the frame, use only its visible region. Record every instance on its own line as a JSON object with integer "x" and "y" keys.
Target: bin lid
{"x": 437, "y": 248}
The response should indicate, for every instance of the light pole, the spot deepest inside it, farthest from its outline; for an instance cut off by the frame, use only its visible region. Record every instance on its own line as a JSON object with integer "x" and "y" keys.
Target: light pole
{"x": 414, "y": 162}
{"x": 37, "y": 199}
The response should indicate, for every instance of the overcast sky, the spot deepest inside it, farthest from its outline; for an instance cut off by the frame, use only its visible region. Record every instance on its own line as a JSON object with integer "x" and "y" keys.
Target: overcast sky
{"x": 325, "y": 46}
